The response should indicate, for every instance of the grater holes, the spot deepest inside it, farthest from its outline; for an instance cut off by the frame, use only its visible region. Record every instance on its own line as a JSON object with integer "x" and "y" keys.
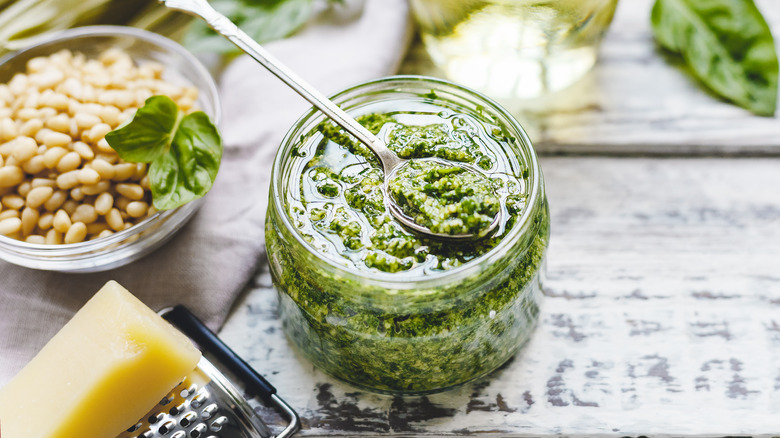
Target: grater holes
{"x": 134, "y": 427}
{"x": 154, "y": 419}
{"x": 166, "y": 400}
{"x": 198, "y": 431}
{"x": 191, "y": 390}
{"x": 166, "y": 428}
{"x": 208, "y": 411}
{"x": 199, "y": 400}
{"x": 176, "y": 410}
{"x": 179, "y": 434}
{"x": 217, "y": 424}
{"x": 188, "y": 419}
{"x": 147, "y": 434}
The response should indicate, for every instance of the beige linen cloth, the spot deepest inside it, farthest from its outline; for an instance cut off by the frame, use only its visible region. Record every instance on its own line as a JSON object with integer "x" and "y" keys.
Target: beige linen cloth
{"x": 212, "y": 258}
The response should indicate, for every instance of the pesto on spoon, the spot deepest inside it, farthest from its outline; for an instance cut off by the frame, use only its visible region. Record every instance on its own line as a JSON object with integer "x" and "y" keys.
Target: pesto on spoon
{"x": 443, "y": 227}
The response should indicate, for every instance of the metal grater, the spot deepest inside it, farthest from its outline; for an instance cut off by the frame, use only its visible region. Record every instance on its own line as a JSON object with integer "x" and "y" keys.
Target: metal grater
{"x": 207, "y": 404}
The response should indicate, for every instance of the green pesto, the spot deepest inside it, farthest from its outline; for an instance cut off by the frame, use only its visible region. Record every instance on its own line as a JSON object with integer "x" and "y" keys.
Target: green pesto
{"x": 409, "y": 340}
{"x": 445, "y": 198}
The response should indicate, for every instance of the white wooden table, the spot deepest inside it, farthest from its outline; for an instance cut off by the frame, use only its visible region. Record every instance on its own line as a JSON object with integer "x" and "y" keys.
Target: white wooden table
{"x": 662, "y": 314}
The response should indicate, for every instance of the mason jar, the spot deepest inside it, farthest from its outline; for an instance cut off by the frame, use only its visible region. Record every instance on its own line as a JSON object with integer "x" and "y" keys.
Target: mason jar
{"x": 388, "y": 327}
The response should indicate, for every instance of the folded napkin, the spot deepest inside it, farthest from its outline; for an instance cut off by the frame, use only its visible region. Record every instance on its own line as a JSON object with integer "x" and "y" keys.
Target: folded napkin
{"x": 212, "y": 258}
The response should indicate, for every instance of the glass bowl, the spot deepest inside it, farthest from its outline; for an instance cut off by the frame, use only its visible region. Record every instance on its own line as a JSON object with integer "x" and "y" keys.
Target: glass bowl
{"x": 122, "y": 247}
{"x": 404, "y": 332}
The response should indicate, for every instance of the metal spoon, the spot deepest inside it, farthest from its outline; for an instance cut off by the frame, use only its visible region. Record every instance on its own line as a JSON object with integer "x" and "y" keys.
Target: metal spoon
{"x": 389, "y": 160}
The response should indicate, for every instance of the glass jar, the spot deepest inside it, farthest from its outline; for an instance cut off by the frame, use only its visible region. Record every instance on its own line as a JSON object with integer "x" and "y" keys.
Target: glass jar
{"x": 389, "y": 331}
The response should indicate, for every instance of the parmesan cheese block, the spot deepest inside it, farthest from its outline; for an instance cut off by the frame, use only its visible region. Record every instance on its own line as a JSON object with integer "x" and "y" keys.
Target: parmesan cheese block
{"x": 113, "y": 362}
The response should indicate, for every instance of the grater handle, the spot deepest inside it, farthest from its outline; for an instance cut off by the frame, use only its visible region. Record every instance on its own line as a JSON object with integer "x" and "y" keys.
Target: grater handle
{"x": 190, "y": 325}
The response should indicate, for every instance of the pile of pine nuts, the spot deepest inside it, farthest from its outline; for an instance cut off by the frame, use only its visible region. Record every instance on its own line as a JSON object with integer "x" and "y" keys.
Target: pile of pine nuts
{"x": 60, "y": 181}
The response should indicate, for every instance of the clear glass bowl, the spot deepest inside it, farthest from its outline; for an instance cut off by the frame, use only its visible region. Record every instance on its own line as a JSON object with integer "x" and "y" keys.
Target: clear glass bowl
{"x": 181, "y": 67}
{"x": 400, "y": 333}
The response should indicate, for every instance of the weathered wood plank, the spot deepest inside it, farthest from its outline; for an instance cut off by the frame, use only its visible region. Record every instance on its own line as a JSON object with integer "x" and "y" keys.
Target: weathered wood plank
{"x": 662, "y": 317}
{"x": 638, "y": 100}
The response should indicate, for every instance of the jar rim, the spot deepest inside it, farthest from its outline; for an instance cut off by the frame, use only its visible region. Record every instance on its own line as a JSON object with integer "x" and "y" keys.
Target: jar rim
{"x": 389, "y": 280}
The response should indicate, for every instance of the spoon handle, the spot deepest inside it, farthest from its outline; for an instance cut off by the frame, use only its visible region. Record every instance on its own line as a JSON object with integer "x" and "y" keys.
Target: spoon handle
{"x": 223, "y": 26}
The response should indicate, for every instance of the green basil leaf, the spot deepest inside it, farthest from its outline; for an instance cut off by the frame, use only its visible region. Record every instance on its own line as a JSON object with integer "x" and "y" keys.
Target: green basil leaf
{"x": 728, "y": 46}
{"x": 150, "y": 132}
{"x": 263, "y": 20}
{"x": 190, "y": 167}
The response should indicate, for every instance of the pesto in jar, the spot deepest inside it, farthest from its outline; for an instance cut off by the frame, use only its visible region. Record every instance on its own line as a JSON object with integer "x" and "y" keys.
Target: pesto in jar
{"x": 378, "y": 306}
{"x": 445, "y": 198}
{"x": 341, "y": 210}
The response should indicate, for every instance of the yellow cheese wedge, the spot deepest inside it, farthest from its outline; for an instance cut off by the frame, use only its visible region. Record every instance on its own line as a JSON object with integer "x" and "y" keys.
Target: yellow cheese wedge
{"x": 113, "y": 362}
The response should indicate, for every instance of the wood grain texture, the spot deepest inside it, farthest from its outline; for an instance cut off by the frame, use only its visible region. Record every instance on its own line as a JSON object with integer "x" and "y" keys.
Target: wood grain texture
{"x": 638, "y": 99}
{"x": 662, "y": 317}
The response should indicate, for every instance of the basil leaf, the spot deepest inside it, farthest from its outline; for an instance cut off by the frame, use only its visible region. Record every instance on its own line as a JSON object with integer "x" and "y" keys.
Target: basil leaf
{"x": 150, "y": 132}
{"x": 728, "y": 46}
{"x": 190, "y": 167}
{"x": 263, "y": 20}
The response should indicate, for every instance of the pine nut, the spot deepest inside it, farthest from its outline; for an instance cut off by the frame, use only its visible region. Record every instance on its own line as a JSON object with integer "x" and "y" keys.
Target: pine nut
{"x": 121, "y": 203}
{"x": 53, "y": 237}
{"x": 123, "y": 171}
{"x": 23, "y": 189}
{"x": 61, "y": 221}
{"x": 103, "y": 146}
{"x": 9, "y": 213}
{"x": 137, "y": 209}
{"x": 43, "y": 132}
{"x": 38, "y": 196}
{"x": 12, "y": 201}
{"x": 99, "y": 131}
{"x": 43, "y": 182}
{"x": 84, "y": 213}
{"x": 104, "y": 203}
{"x": 59, "y": 123}
{"x": 8, "y": 129}
{"x": 133, "y": 192}
{"x": 70, "y": 206}
{"x": 114, "y": 220}
{"x": 76, "y": 233}
{"x": 53, "y": 139}
{"x": 86, "y": 120}
{"x": 56, "y": 200}
{"x": 103, "y": 168}
{"x": 83, "y": 150}
{"x": 140, "y": 171}
{"x": 110, "y": 115}
{"x": 76, "y": 194}
{"x": 45, "y": 221}
{"x": 10, "y": 176}
{"x": 35, "y": 238}
{"x": 24, "y": 149}
{"x": 68, "y": 162}
{"x": 10, "y": 225}
{"x": 96, "y": 189}
{"x": 105, "y": 233}
{"x": 52, "y": 156}
{"x": 68, "y": 180}
{"x": 30, "y": 217}
{"x": 34, "y": 165}
{"x": 88, "y": 176}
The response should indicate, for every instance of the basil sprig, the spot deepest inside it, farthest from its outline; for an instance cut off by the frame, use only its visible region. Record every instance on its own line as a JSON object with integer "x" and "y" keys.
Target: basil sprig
{"x": 184, "y": 150}
{"x": 728, "y": 46}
